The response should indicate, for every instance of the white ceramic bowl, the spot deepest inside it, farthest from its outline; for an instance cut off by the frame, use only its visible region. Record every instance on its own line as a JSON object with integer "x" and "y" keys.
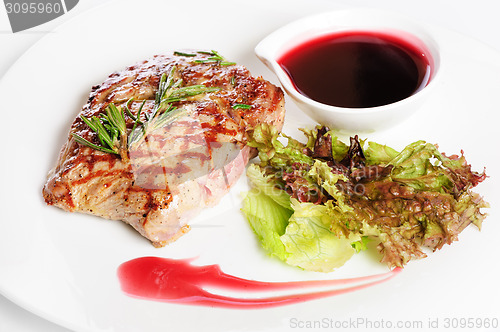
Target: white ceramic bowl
{"x": 271, "y": 48}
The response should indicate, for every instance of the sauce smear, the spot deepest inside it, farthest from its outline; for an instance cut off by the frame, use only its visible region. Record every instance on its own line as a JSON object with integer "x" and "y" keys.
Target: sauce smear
{"x": 357, "y": 69}
{"x": 178, "y": 281}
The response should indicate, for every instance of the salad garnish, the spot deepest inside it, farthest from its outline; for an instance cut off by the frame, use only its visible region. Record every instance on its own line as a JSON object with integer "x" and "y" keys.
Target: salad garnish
{"x": 315, "y": 204}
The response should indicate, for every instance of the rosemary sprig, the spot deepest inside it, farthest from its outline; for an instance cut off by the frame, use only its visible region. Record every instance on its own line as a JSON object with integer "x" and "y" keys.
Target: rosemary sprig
{"x": 170, "y": 90}
{"x": 111, "y": 128}
{"x": 184, "y": 54}
{"x": 136, "y": 118}
{"x": 135, "y": 134}
{"x": 111, "y": 131}
{"x": 242, "y": 106}
{"x": 83, "y": 141}
{"x": 214, "y": 57}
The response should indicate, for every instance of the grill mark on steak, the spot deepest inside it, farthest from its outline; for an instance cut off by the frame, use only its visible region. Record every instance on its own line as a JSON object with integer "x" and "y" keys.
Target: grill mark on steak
{"x": 178, "y": 169}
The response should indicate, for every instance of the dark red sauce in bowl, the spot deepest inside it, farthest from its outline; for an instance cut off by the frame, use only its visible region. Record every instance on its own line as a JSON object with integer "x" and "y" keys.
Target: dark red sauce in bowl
{"x": 357, "y": 69}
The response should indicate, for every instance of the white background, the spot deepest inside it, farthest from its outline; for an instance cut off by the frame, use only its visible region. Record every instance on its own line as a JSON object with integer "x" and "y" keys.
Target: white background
{"x": 478, "y": 19}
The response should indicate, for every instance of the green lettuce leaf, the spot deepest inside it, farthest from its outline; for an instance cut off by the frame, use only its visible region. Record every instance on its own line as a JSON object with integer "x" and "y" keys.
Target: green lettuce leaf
{"x": 268, "y": 220}
{"x": 267, "y": 185}
{"x": 309, "y": 242}
{"x": 361, "y": 245}
{"x": 377, "y": 154}
{"x": 298, "y": 234}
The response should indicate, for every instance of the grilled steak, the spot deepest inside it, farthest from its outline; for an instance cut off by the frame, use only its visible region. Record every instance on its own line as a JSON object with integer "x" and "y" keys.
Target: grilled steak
{"x": 187, "y": 163}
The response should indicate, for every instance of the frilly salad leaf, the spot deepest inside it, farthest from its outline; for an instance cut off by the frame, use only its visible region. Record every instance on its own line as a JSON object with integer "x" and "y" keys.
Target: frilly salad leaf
{"x": 315, "y": 204}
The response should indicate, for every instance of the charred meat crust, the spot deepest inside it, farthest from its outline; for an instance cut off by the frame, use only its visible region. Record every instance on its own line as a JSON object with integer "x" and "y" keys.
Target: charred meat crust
{"x": 94, "y": 182}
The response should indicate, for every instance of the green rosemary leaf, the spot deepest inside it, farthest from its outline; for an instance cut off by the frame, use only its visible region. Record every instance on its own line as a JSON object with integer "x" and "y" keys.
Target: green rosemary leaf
{"x": 206, "y": 61}
{"x": 184, "y": 54}
{"x": 188, "y": 91}
{"x": 162, "y": 119}
{"x": 137, "y": 120}
{"x": 167, "y": 83}
{"x": 214, "y": 57}
{"x": 83, "y": 141}
{"x": 242, "y": 106}
{"x": 117, "y": 119}
{"x": 113, "y": 132}
{"x": 96, "y": 128}
{"x": 103, "y": 134}
{"x": 127, "y": 109}
{"x": 88, "y": 122}
{"x": 161, "y": 89}
{"x": 166, "y": 118}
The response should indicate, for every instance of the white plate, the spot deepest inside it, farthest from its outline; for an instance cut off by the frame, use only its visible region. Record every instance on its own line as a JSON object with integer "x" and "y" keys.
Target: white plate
{"x": 63, "y": 266}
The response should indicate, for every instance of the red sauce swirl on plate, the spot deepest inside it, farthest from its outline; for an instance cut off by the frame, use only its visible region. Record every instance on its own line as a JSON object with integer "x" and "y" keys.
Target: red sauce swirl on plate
{"x": 179, "y": 281}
